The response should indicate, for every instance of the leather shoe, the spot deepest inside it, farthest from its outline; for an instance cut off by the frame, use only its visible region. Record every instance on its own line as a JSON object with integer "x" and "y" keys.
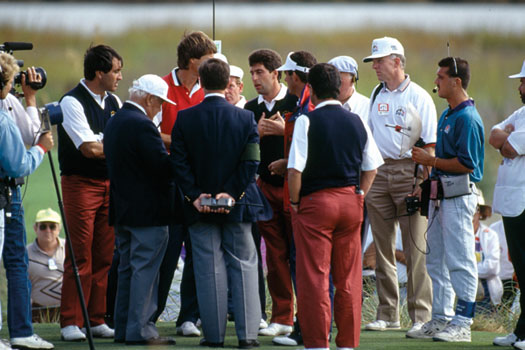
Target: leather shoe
{"x": 204, "y": 342}
{"x": 249, "y": 343}
{"x": 152, "y": 341}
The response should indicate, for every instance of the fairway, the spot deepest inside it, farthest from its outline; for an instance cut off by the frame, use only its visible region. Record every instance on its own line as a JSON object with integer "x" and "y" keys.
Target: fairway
{"x": 369, "y": 340}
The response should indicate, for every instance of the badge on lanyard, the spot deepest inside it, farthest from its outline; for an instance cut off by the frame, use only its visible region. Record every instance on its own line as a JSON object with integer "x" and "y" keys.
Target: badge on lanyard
{"x": 52, "y": 265}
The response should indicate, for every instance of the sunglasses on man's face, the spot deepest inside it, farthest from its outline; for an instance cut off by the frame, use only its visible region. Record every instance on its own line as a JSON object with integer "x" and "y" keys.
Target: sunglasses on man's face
{"x": 44, "y": 226}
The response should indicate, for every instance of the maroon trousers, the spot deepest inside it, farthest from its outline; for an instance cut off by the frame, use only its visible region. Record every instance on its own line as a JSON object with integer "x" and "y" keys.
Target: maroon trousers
{"x": 86, "y": 203}
{"x": 327, "y": 237}
{"x": 277, "y": 234}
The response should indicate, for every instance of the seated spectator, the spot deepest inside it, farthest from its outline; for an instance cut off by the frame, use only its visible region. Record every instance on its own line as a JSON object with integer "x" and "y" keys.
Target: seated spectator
{"x": 506, "y": 270}
{"x": 46, "y": 266}
{"x": 490, "y": 288}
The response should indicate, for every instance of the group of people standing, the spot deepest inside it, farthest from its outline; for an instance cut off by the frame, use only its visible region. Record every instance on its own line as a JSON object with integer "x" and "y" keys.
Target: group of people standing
{"x": 304, "y": 166}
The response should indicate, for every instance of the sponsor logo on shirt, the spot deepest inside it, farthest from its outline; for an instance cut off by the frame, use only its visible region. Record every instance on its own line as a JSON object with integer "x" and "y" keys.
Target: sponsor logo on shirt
{"x": 401, "y": 112}
{"x": 383, "y": 108}
{"x": 447, "y": 129}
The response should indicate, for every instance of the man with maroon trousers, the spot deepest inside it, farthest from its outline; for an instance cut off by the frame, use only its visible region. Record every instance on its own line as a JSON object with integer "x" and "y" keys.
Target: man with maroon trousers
{"x": 330, "y": 169}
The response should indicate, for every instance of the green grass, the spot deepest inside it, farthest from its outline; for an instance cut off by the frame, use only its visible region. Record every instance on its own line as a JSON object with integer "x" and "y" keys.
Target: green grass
{"x": 391, "y": 340}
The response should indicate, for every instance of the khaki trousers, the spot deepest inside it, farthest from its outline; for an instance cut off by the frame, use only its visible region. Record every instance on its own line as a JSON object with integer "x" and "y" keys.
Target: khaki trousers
{"x": 386, "y": 205}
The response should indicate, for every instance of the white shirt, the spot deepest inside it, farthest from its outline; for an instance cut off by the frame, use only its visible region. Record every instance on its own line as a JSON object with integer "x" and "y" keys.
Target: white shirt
{"x": 27, "y": 120}
{"x": 299, "y": 149}
{"x": 509, "y": 193}
{"x": 280, "y": 96}
{"x": 75, "y": 122}
{"x": 241, "y": 102}
{"x": 506, "y": 270}
{"x": 390, "y": 107}
{"x": 358, "y": 104}
{"x": 488, "y": 264}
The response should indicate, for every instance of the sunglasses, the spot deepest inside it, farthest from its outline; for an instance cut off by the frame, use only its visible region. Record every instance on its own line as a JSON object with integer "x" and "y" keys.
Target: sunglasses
{"x": 44, "y": 226}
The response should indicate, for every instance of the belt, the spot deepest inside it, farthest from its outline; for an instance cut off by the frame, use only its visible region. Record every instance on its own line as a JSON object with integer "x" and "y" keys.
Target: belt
{"x": 12, "y": 182}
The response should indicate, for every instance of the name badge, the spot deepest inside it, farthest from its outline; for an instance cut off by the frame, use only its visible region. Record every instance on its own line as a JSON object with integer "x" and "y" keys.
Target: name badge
{"x": 383, "y": 108}
{"x": 52, "y": 265}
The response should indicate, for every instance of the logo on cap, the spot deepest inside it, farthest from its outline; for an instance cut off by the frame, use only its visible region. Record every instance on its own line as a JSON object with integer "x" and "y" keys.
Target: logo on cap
{"x": 375, "y": 48}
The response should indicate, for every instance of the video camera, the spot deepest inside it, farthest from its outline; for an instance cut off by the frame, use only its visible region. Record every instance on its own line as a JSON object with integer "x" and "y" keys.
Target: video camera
{"x": 9, "y": 47}
{"x": 51, "y": 114}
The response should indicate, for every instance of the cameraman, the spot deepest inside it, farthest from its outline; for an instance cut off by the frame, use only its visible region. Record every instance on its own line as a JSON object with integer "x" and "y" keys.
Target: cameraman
{"x": 16, "y": 161}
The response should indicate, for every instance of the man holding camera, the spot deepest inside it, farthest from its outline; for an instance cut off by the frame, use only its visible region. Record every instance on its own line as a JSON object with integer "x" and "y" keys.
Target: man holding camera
{"x": 85, "y": 190}
{"x": 215, "y": 149}
{"x": 15, "y": 254}
{"x": 458, "y": 164}
{"x": 16, "y": 161}
{"x": 391, "y": 100}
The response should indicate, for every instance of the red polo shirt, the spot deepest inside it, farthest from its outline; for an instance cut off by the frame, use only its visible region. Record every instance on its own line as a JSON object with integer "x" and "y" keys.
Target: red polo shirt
{"x": 181, "y": 96}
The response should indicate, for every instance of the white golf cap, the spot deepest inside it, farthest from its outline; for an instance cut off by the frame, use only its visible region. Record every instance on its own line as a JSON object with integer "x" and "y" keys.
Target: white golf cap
{"x": 292, "y": 65}
{"x": 386, "y": 46}
{"x": 345, "y": 64}
{"x": 520, "y": 74}
{"x": 154, "y": 85}
{"x": 220, "y": 56}
{"x": 236, "y": 71}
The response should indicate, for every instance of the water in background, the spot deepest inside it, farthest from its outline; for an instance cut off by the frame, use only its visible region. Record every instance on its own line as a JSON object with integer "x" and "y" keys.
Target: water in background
{"x": 89, "y": 18}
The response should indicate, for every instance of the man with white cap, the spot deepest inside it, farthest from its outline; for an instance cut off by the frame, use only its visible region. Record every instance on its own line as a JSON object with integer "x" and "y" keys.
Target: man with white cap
{"x": 85, "y": 190}
{"x": 509, "y": 198}
{"x": 235, "y": 86}
{"x": 46, "y": 263}
{"x": 139, "y": 169}
{"x": 390, "y": 102}
{"x": 348, "y": 95}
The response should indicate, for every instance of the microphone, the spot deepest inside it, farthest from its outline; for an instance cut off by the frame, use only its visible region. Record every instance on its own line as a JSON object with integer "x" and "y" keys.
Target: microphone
{"x": 17, "y": 46}
{"x": 435, "y": 89}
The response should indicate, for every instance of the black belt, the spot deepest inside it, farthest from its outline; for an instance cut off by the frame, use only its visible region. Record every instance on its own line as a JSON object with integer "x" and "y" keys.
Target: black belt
{"x": 12, "y": 182}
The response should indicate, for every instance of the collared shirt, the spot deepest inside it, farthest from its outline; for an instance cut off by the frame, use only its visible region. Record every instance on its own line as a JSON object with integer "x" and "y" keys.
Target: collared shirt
{"x": 358, "y": 104}
{"x": 75, "y": 122}
{"x": 27, "y": 120}
{"x": 136, "y": 105}
{"x": 509, "y": 193}
{"x": 15, "y": 160}
{"x": 391, "y": 107}
{"x": 241, "y": 102}
{"x": 214, "y": 94}
{"x": 183, "y": 97}
{"x": 299, "y": 151}
{"x": 45, "y": 273}
{"x": 280, "y": 96}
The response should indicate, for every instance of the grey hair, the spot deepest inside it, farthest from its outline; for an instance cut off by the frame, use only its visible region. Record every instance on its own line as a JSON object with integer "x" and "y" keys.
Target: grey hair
{"x": 401, "y": 58}
{"x": 136, "y": 93}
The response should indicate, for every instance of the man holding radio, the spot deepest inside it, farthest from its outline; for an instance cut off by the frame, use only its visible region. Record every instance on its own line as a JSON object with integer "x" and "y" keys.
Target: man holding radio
{"x": 451, "y": 262}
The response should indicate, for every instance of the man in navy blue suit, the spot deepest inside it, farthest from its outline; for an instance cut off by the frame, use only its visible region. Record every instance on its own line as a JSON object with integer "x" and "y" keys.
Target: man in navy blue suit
{"x": 215, "y": 152}
{"x": 140, "y": 176}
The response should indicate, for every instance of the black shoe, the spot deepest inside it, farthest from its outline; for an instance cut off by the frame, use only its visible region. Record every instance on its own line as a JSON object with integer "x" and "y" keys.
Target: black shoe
{"x": 204, "y": 342}
{"x": 152, "y": 341}
{"x": 119, "y": 340}
{"x": 249, "y": 344}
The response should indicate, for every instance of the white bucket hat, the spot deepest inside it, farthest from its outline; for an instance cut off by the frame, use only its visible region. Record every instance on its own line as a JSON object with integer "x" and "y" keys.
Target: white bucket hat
{"x": 520, "y": 74}
{"x": 383, "y": 47}
{"x": 236, "y": 71}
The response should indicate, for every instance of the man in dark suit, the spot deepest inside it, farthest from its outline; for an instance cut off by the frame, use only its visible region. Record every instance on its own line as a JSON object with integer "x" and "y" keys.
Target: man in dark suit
{"x": 215, "y": 152}
{"x": 140, "y": 185}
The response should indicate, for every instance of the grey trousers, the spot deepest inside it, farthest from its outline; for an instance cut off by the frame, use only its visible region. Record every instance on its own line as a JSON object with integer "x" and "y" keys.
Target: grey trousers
{"x": 141, "y": 251}
{"x": 219, "y": 251}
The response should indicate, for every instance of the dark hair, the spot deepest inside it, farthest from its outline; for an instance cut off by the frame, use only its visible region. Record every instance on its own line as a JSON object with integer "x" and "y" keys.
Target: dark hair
{"x": 303, "y": 59}
{"x": 194, "y": 45}
{"x": 214, "y": 74}
{"x": 457, "y": 67}
{"x": 268, "y": 58}
{"x": 99, "y": 58}
{"x": 325, "y": 80}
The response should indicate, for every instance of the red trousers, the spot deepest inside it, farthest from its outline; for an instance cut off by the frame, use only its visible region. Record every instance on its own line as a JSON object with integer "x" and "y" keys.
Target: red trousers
{"x": 327, "y": 237}
{"x": 86, "y": 203}
{"x": 277, "y": 234}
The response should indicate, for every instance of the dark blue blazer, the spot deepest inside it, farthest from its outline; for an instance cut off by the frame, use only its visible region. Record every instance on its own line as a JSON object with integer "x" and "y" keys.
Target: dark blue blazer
{"x": 139, "y": 170}
{"x": 207, "y": 145}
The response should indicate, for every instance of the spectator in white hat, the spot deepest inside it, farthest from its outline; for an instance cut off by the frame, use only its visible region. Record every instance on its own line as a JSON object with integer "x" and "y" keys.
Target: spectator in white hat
{"x": 391, "y": 99}
{"x": 348, "y": 95}
{"x": 46, "y": 263}
{"x": 234, "y": 89}
{"x": 509, "y": 198}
